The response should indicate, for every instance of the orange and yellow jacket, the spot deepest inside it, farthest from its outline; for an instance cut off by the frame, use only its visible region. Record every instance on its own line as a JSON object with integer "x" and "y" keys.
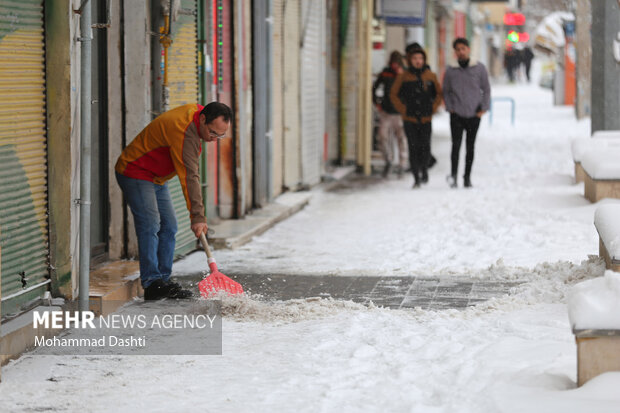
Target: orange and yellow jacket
{"x": 170, "y": 145}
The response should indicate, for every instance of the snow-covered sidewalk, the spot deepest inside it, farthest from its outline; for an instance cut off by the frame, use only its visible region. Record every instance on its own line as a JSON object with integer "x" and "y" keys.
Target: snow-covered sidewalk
{"x": 523, "y": 220}
{"x": 524, "y": 209}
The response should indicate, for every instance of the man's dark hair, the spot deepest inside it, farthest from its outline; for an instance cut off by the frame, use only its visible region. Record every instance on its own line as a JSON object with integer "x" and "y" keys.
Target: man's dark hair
{"x": 216, "y": 109}
{"x": 460, "y": 40}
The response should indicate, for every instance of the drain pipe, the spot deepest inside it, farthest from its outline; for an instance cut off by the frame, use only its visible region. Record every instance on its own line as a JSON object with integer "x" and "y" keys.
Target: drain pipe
{"x": 85, "y": 152}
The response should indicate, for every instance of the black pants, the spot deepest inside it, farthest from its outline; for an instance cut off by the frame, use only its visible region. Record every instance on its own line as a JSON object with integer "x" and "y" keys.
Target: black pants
{"x": 419, "y": 140}
{"x": 457, "y": 126}
{"x": 528, "y": 65}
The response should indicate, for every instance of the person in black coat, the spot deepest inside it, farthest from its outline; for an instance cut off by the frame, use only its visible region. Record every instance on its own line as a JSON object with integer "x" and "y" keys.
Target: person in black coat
{"x": 408, "y": 51}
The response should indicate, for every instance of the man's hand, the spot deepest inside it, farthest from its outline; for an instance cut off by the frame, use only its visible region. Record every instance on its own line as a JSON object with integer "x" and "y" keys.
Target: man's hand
{"x": 199, "y": 228}
{"x": 479, "y": 114}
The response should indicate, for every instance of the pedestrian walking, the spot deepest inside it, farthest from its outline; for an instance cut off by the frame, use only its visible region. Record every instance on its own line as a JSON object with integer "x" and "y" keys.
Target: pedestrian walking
{"x": 526, "y": 57}
{"x": 416, "y": 95}
{"x": 511, "y": 62}
{"x": 467, "y": 94}
{"x": 390, "y": 121}
{"x": 170, "y": 145}
{"x": 410, "y": 48}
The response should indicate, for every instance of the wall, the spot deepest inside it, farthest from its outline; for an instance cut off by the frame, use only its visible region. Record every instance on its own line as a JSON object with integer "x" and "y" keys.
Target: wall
{"x": 583, "y": 45}
{"x": 115, "y": 131}
{"x": 137, "y": 82}
{"x": 61, "y": 123}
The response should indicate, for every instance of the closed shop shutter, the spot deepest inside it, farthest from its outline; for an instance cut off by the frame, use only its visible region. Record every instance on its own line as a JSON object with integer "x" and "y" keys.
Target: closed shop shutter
{"x": 292, "y": 152}
{"x": 183, "y": 83}
{"x": 261, "y": 94}
{"x": 350, "y": 86}
{"x": 312, "y": 89}
{"x": 23, "y": 154}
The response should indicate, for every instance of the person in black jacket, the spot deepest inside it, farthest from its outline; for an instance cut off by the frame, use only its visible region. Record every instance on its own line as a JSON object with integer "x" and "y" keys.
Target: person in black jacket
{"x": 416, "y": 94}
{"x": 408, "y": 50}
{"x": 389, "y": 118}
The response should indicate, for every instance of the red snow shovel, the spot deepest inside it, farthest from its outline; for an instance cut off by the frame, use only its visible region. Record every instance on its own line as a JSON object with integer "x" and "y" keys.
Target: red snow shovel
{"x": 216, "y": 281}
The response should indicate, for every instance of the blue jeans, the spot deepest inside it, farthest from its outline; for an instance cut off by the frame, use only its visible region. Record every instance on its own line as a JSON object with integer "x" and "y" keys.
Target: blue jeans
{"x": 156, "y": 226}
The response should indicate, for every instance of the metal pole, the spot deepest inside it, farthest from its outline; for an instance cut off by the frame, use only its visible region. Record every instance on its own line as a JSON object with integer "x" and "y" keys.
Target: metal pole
{"x": 156, "y": 68}
{"x": 85, "y": 153}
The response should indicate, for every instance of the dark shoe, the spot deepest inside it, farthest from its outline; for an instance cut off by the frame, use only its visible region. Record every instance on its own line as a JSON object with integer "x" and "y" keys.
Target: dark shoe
{"x": 386, "y": 170}
{"x": 467, "y": 182}
{"x": 416, "y": 185}
{"x": 451, "y": 179}
{"x": 431, "y": 162}
{"x": 424, "y": 178}
{"x": 156, "y": 290}
{"x": 159, "y": 289}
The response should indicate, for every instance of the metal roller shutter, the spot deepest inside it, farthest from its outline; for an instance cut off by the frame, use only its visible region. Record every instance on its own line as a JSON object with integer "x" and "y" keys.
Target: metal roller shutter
{"x": 183, "y": 83}
{"x": 350, "y": 74}
{"x": 23, "y": 154}
{"x": 291, "y": 115}
{"x": 277, "y": 96}
{"x": 312, "y": 89}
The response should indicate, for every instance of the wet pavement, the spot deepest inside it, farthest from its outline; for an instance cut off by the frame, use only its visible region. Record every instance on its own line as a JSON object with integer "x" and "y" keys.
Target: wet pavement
{"x": 435, "y": 293}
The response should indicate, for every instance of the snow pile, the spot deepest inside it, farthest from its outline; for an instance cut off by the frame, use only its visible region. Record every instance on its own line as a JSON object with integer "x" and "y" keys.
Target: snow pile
{"x": 544, "y": 283}
{"x": 550, "y": 32}
{"x": 602, "y": 162}
{"x": 598, "y": 141}
{"x": 579, "y": 146}
{"x": 607, "y": 223}
{"x": 595, "y": 304}
{"x": 252, "y": 307}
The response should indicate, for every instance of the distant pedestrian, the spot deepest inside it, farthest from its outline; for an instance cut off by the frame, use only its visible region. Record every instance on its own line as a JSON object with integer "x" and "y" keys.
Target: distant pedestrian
{"x": 526, "y": 58}
{"x": 408, "y": 50}
{"x": 511, "y": 63}
{"x": 416, "y": 94}
{"x": 467, "y": 94}
{"x": 389, "y": 119}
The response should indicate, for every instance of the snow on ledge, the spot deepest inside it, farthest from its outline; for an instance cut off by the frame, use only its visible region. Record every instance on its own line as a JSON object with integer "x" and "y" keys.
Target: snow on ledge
{"x": 600, "y": 139}
{"x": 602, "y": 162}
{"x": 607, "y": 223}
{"x": 595, "y": 304}
{"x": 606, "y": 134}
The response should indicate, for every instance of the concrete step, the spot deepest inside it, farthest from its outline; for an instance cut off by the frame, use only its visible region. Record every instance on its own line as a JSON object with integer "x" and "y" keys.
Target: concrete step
{"x": 114, "y": 284}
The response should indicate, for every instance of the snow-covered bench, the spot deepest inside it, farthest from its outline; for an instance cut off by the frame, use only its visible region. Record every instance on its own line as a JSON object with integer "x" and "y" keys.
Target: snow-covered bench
{"x": 580, "y": 146}
{"x": 594, "y": 313}
{"x": 601, "y": 168}
{"x": 607, "y": 223}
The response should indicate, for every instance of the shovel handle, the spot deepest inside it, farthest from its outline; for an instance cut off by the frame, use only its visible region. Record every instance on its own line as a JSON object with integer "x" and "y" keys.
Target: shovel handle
{"x": 205, "y": 246}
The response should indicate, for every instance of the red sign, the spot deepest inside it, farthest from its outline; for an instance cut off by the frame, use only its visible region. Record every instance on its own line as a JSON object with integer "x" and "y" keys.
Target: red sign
{"x": 514, "y": 19}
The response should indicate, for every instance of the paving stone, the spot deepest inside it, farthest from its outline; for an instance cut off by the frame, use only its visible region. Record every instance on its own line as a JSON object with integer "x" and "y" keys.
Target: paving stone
{"x": 434, "y": 293}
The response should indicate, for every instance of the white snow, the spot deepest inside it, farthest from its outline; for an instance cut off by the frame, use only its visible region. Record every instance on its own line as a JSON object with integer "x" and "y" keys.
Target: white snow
{"x": 602, "y": 162}
{"x": 607, "y": 223}
{"x": 550, "y": 32}
{"x": 595, "y": 304}
{"x": 524, "y": 220}
{"x": 613, "y": 134}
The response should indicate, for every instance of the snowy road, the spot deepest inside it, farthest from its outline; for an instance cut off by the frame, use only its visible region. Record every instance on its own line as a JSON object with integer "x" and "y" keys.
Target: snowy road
{"x": 524, "y": 220}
